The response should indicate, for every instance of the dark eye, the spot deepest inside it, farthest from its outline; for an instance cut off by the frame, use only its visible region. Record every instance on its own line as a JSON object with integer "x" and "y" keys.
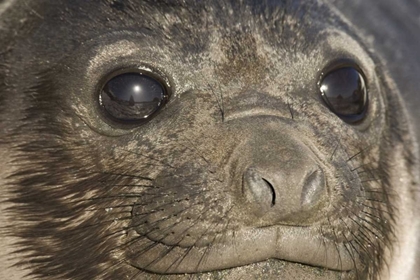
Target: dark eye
{"x": 344, "y": 91}
{"x": 132, "y": 97}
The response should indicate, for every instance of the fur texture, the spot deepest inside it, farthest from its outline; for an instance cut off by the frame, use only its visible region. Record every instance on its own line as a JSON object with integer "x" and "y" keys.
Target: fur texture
{"x": 89, "y": 200}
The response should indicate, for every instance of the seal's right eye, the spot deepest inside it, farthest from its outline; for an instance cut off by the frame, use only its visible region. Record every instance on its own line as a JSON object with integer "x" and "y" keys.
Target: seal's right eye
{"x": 132, "y": 97}
{"x": 344, "y": 91}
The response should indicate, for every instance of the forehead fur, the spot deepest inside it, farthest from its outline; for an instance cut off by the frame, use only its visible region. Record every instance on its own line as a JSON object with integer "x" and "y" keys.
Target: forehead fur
{"x": 183, "y": 23}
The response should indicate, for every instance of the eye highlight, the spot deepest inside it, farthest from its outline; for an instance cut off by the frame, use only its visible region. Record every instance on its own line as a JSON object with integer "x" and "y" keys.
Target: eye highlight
{"x": 132, "y": 97}
{"x": 344, "y": 91}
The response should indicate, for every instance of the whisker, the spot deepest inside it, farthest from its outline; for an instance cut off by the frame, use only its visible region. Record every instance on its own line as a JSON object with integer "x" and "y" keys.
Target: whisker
{"x": 338, "y": 251}
{"x": 290, "y": 110}
{"x": 209, "y": 248}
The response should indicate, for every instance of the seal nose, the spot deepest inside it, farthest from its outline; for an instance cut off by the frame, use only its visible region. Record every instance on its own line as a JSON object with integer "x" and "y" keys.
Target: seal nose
{"x": 285, "y": 192}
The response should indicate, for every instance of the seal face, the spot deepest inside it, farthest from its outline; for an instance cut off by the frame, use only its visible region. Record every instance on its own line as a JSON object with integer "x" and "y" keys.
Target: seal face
{"x": 183, "y": 137}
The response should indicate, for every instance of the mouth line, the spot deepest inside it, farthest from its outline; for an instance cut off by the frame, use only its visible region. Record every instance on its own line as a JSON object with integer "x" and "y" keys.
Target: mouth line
{"x": 239, "y": 248}
{"x": 259, "y": 112}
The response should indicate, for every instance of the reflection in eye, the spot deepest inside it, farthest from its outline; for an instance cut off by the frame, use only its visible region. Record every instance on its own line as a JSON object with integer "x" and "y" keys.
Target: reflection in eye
{"x": 132, "y": 97}
{"x": 344, "y": 92}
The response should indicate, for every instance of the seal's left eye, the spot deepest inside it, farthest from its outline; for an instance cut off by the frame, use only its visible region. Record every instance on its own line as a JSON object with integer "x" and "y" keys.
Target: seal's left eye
{"x": 344, "y": 92}
{"x": 133, "y": 97}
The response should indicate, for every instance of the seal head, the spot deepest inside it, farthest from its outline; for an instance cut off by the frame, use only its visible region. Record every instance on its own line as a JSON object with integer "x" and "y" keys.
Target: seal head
{"x": 162, "y": 137}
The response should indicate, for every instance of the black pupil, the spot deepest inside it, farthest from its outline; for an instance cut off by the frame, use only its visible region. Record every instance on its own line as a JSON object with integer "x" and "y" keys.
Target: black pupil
{"x": 132, "y": 97}
{"x": 344, "y": 91}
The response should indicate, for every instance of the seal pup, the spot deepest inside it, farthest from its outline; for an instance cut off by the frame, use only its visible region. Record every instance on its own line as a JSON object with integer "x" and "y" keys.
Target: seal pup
{"x": 216, "y": 139}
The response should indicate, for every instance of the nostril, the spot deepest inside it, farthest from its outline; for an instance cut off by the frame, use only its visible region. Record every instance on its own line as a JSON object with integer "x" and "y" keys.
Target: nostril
{"x": 273, "y": 193}
{"x": 313, "y": 189}
{"x": 258, "y": 191}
